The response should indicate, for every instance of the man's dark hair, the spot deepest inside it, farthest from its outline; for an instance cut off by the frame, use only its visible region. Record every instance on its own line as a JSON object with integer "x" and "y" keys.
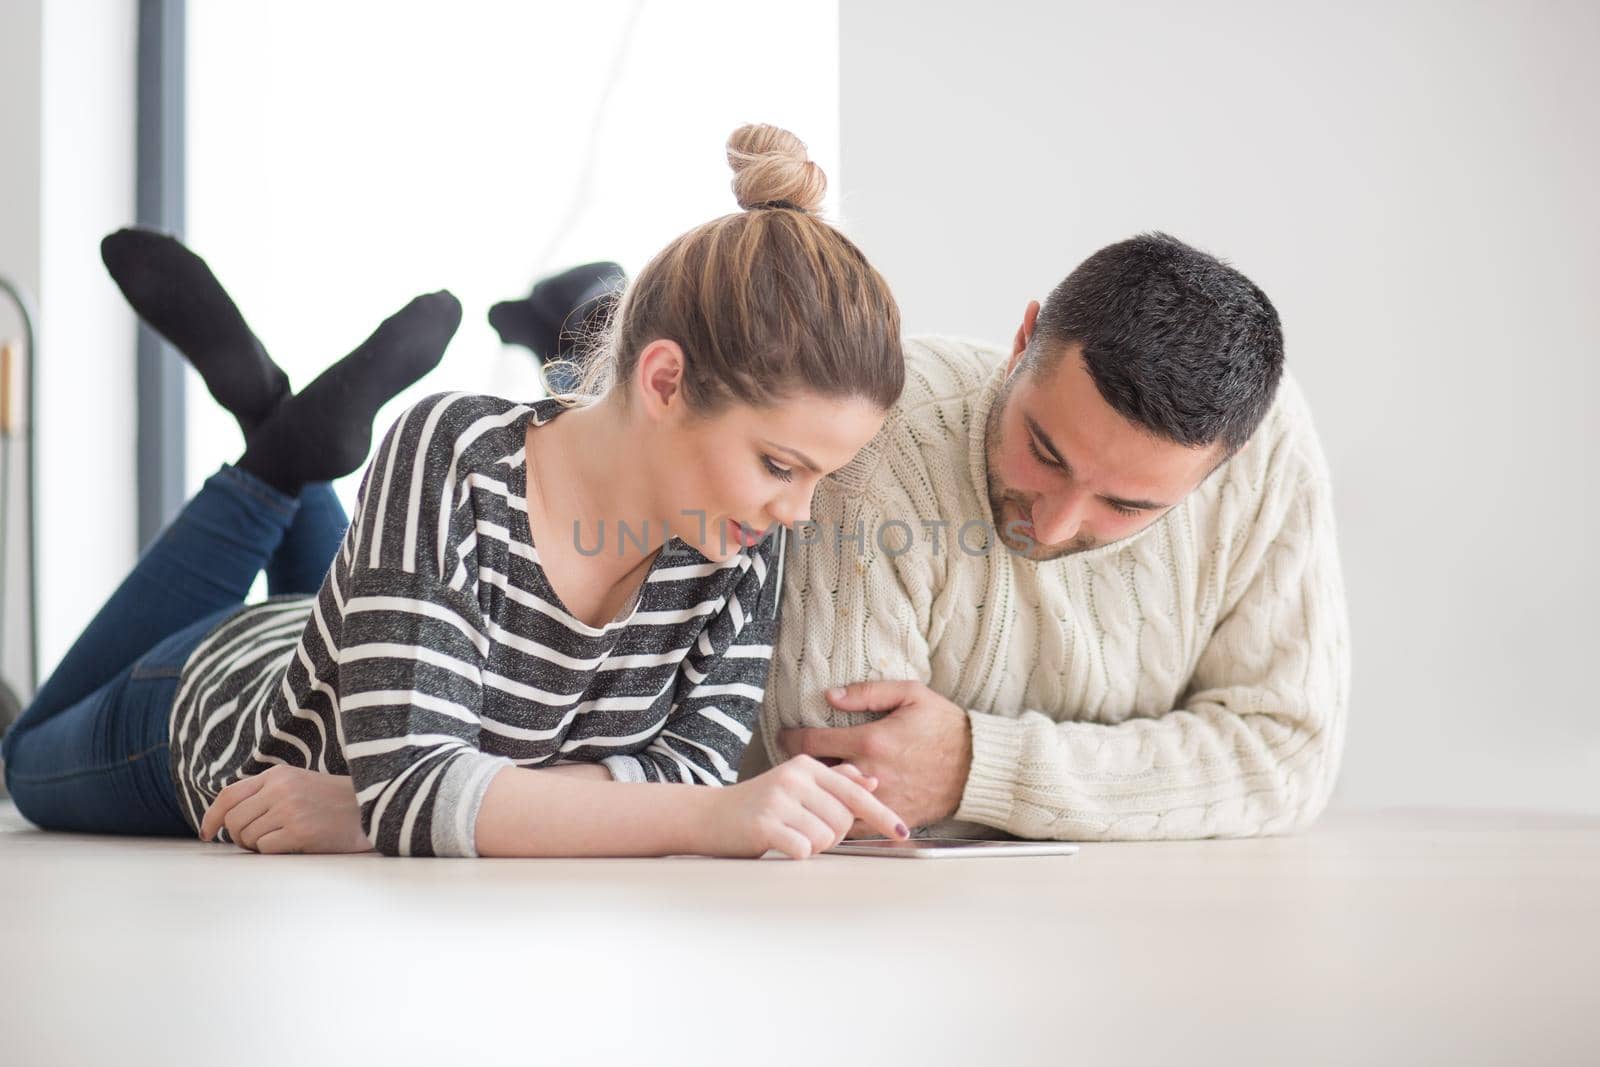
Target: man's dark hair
{"x": 1176, "y": 340}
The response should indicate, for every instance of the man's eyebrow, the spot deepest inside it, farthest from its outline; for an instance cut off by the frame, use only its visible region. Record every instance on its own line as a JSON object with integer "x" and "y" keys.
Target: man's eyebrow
{"x": 1061, "y": 461}
{"x": 805, "y": 461}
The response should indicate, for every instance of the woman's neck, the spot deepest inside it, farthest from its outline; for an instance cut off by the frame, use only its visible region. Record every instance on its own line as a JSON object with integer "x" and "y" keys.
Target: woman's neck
{"x": 588, "y": 459}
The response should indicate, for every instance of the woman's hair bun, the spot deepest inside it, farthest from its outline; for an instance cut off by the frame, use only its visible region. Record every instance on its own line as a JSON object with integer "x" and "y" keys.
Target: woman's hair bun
{"x": 770, "y": 164}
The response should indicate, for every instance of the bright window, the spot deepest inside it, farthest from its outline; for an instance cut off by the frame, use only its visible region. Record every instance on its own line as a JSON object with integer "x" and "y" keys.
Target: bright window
{"x": 345, "y": 157}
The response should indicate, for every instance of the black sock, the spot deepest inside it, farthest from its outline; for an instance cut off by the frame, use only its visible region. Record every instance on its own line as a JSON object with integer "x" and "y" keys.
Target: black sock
{"x": 561, "y": 311}
{"x": 324, "y": 431}
{"x": 174, "y": 291}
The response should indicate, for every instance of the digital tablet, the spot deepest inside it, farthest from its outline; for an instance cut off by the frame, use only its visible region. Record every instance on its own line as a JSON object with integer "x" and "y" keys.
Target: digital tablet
{"x": 927, "y": 848}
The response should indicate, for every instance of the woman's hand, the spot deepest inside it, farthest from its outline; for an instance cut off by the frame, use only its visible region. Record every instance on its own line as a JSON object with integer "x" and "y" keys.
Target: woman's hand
{"x": 799, "y": 807}
{"x": 288, "y": 809}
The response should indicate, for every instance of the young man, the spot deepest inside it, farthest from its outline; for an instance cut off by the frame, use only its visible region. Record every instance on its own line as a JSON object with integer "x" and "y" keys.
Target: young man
{"x": 1090, "y": 591}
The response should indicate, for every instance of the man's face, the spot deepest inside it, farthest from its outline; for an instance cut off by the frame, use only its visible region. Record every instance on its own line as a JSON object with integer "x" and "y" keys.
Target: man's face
{"x": 1066, "y": 471}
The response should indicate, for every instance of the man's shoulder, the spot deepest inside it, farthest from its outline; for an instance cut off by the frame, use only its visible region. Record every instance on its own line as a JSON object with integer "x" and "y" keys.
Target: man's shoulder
{"x": 1283, "y": 463}
{"x": 940, "y": 369}
{"x": 948, "y": 384}
{"x": 1286, "y": 443}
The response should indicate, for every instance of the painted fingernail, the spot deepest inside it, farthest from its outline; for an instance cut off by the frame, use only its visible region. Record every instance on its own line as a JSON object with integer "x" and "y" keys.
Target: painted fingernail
{"x": 900, "y": 830}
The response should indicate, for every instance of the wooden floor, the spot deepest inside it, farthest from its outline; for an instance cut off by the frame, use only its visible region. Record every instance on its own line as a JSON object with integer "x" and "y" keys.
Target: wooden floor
{"x": 1378, "y": 938}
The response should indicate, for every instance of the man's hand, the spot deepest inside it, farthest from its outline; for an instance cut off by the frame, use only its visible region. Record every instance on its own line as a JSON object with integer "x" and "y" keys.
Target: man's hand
{"x": 920, "y": 751}
{"x": 288, "y": 809}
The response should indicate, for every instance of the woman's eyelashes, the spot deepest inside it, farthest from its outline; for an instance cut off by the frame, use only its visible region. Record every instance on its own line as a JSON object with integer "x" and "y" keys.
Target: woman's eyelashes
{"x": 781, "y": 473}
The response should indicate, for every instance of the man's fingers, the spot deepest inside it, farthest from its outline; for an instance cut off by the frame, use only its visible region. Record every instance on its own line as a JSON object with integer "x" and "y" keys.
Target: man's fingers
{"x": 212, "y": 821}
{"x": 872, "y": 811}
{"x": 872, "y": 696}
{"x": 840, "y": 742}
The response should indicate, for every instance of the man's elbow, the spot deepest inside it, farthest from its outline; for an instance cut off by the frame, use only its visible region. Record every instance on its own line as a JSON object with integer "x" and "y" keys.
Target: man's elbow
{"x": 1302, "y": 787}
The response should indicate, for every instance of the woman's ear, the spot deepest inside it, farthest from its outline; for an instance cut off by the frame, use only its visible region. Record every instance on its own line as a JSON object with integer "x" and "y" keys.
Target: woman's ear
{"x": 659, "y": 376}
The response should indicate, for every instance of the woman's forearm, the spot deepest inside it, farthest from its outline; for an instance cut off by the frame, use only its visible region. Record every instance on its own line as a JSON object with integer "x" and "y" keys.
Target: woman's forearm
{"x": 577, "y": 810}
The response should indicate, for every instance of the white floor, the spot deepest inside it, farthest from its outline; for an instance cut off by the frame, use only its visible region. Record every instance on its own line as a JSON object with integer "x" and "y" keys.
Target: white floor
{"x": 1396, "y": 938}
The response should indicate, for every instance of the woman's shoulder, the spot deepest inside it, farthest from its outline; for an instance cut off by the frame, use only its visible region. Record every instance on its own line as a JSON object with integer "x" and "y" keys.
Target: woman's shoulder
{"x": 447, "y": 430}
{"x": 434, "y": 453}
{"x": 452, "y": 414}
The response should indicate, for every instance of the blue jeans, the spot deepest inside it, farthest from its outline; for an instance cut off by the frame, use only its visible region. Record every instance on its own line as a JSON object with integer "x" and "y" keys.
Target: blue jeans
{"x": 90, "y": 751}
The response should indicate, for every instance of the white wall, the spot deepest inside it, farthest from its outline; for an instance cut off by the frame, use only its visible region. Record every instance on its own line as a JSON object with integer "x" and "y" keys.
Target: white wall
{"x": 1414, "y": 186}
{"x": 67, "y": 178}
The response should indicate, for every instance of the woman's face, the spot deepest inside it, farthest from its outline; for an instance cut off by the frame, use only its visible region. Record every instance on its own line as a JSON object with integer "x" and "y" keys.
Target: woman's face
{"x": 729, "y": 478}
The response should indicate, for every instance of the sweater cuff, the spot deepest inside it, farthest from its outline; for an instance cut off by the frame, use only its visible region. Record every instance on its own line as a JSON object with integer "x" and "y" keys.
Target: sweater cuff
{"x": 992, "y": 781}
{"x": 455, "y": 807}
{"x": 624, "y": 769}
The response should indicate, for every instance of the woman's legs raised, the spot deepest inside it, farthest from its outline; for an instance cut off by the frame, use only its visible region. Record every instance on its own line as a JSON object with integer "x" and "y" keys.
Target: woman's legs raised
{"x": 203, "y": 562}
{"x": 90, "y": 752}
{"x": 102, "y": 714}
{"x": 308, "y": 548}
{"x": 175, "y": 293}
{"x": 324, "y": 431}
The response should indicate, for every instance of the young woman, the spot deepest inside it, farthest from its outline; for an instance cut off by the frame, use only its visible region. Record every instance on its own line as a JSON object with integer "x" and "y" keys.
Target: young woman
{"x": 547, "y": 629}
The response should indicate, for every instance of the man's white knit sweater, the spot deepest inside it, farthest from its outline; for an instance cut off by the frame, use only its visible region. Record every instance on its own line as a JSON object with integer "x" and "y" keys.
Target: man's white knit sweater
{"x": 1188, "y": 681}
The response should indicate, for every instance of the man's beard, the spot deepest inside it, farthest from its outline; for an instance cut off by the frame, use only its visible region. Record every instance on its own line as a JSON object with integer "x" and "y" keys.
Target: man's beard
{"x": 1020, "y": 507}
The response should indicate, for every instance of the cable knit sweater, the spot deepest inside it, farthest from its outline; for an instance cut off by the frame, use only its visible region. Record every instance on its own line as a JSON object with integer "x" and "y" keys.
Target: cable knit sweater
{"x": 1188, "y": 681}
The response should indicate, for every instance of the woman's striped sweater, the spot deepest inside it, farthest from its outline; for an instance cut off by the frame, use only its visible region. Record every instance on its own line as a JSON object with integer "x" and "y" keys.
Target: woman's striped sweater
{"x": 436, "y": 652}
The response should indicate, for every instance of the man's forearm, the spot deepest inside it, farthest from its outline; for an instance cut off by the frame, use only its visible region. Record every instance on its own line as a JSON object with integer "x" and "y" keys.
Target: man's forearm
{"x": 577, "y": 810}
{"x": 1204, "y": 772}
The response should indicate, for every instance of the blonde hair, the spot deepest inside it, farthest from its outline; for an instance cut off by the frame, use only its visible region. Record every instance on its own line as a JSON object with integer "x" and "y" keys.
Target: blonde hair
{"x": 766, "y": 303}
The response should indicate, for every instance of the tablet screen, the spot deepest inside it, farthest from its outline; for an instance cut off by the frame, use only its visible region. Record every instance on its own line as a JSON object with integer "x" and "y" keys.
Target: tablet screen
{"x": 929, "y": 842}
{"x": 933, "y": 847}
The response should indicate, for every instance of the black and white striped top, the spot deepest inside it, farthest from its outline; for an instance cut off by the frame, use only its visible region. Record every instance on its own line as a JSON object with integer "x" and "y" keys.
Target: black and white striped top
{"x": 437, "y": 653}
